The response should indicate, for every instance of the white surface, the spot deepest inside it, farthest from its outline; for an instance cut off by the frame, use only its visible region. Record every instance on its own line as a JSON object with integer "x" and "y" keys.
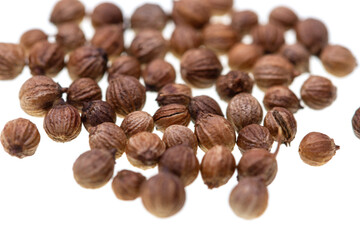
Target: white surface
{"x": 39, "y": 198}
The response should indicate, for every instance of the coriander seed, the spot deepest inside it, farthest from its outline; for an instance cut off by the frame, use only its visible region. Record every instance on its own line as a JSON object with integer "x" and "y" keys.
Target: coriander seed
{"x": 184, "y": 38}
{"x": 356, "y": 123}
{"x": 12, "y": 61}
{"x": 229, "y": 85}
{"x": 244, "y": 21}
{"x": 298, "y": 55}
{"x": 176, "y": 135}
{"x": 136, "y": 122}
{"x": 70, "y": 36}
{"x": 67, "y": 11}
{"x": 110, "y": 38}
{"x": 97, "y": 112}
{"x": 83, "y": 90}
{"x": 31, "y": 37}
{"x": 157, "y": 74}
{"x": 126, "y": 185}
{"x": 174, "y": 93}
{"x": 283, "y": 17}
{"x": 149, "y": 16}
{"x": 171, "y": 114}
{"x": 219, "y": 37}
{"x": 244, "y": 56}
{"x": 195, "y": 13}
{"x": 203, "y": 104}
{"x": 269, "y": 36}
{"x": 125, "y": 65}
{"x": 106, "y": 14}
{"x": 281, "y": 96}
{"x": 254, "y": 136}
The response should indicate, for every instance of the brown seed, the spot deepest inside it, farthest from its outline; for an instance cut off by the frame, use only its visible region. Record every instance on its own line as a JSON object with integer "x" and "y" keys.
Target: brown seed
{"x": 136, "y": 122}
{"x": 356, "y": 123}
{"x": 149, "y": 16}
{"x": 108, "y": 136}
{"x": 283, "y": 17}
{"x": 316, "y": 149}
{"x": 184, "y": 38}
{"x": 254, "y": 136}
{"x": 38, "y": 94}
{"x": 20, "y": 138}
{"x": 281, "y": 96}
{"x": 313, "y": 34}
{"x": 144, "y": 150}
{"x": 126, "y": 185}
{"x": 125, "y": 94}
{"x": 220, "y": 6}
{"x": 318, "y": 92}
{"x": 244, "y": 21}
{"x": 12, "y": 61}
{"x": 203, "y": 104}
{"x": 31, "y": 37}
{"x": 244, "y": 56}
{"x": 212, "y": 130}
{"x": 83, "y": 90}
{"x": 157, "y": 74}
{"x": 180, "y": 135}
{"x": 163, "y": 195}
{"x": 70, "y": 36}
{"x": 195, "y": 13}
{"x": 249, "y": 199}
{"x": 219, "y": 37}
{"x": 171, "y": 114}
{"x": 110, "y": 38}
{"x": 87, "y": 62}
{"x": 283, "y": 118}
{"x": 125, "y": 65}
{"x": 200, "y": 67}
{"x": 94, "y": 168}
{"x": 62, "y": 123}
{"x": 217, "y": 166}
{"x": 338, "y": 60}
{"x": 298, "y": 55}
{"x": 148, "y": 45}
{"x": 174, "y": 93}
{"x": 106, "y": 14}
{"x": 229, "y": 85}
{"x": 272, "y": 70}
{"x": 96, "y": 112}
{"x": 181, "y": 161}
{"x": 269, "y": 36}
{"x": 243, "y": 110}
{"x": 67, "y": 11}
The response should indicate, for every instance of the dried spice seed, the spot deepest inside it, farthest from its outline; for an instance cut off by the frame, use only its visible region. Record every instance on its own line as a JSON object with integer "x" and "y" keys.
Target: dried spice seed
{"x": 126, "y": 185}
{"x": 96, "y": 112}
{"x": 244, "y": 21}
{"x": 174, "y": 93}
{"x": 195, "y": 13}
{"x": 67, "y": 11}
{"x": 269, "y": 36}
{"x": 109, "y": 38}
{"x": 338, "y": 60}
{"x": 106, "y": 14}
{"x": 281, "y": 96}
{"x": 175, "y": 135}
{"x": 254, "y": 136}
{"x": 283, "y": 17}
{"x": 149, "y": 16}
{"x": 217, "y": 166}
{"x": 316, "y": 149}
{"x": 184, "y": 38}
{"x": 356, "y": 123}
{"x": 83, "y": 90}
{"x": 203, "y": 104}
{"x": 219, "y": 37}
{"x": 220, "y": 6}
{"x": 12, "y": 61}
{"x": 244, "y": 56}
{"x": 298, "y": 55}
{"x": 124, "y": 65}
{"x": 31, "y": 37}
{"x": 136, "y": 122}
{"x": 229, "y": 85}
{"x": 157, "y": 74}
{"x": 171, "y": 114}
{"x": 20, "y": 138}
{"x": 70, "y": 36}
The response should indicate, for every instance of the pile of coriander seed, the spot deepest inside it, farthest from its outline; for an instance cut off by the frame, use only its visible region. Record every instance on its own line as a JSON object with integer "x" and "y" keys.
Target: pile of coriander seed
{"x": 268, "y": 62}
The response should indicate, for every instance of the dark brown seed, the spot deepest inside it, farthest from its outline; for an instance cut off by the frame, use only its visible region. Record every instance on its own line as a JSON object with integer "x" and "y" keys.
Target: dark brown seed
{"x": 171, "y": 114}
{"x": 316, "y": 149}
{"x": 83, "y": 90}
{"x": 338, "y": 60}
{"x": 203, "y": 104}
{"x": 219, "y": 37}
{"x": 31, "y": 37}
{"x": 281, "y": 96}
{"x": 229, "y": 85}
{"x": 94, "y": 168}
{"x": 144, "y": 150}
{"x": 298, "y": 55}
{"x": 244, "y": 56}
{"x": 254, "y": 136}
{"x": 70, "y": 36}
{"x": 180, "y": 135}
{"x": 195, "y": 13}
{"x": 174, "y": 93}
{"x": 243, "y": 110}
{"x": 220, "y": 6}
{"x": 109, "y": 38}
{"x": 217, "y": 166}
{"x": 244, "y": 21}
{"x": 356, "y": 123}
{"x": 157, "y": 74}
{"x": 283, "y": 17}
{"x": 184, "y": 38}
{"x": 97, "y": 112}
{"x": 136, "y": 122}
{"x": 318, "y": 92}
{"x": 125, "y": 94}
{"x": 212, "y": 130}
{"x": 106, "y": 14}
{"x": 126, "y": 185}
{"x": 67, "y": 11}
{"x": 149, "y": 16}
{"x": 12, "y": 61}
{"x": 269, "y": 36}
{"x": 125, "y": 65}
{"x": 20, "y": 138}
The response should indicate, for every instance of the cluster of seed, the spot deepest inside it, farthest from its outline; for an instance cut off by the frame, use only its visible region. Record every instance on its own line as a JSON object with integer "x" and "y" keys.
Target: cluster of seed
{"x": 268, "y": 62}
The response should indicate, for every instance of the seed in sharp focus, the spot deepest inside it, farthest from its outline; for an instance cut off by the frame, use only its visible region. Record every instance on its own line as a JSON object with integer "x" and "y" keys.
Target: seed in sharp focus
{"x": 31, "y": 37}
{"x": 38, "y": 94}
{"x": 124, "y": 65}
{"x": 62, "y": 123}
{"x": 254, "y": 136}
{"x": 356, "y": 123}
{"x": 220, "y": 6}
{"x": 244, "y": 56}
{"x": 283, "y": 17}
{"x": 244, "y": 21}
{"x": 12, "y": 61}
{"x": 144, "y": 150}
{"x": 136, "y": 122}
{"x": 109, "y": 38}
{"x": 94, "y": 168}
{"x": 108, "y": 136}
{"x": 106, "y": 14}
{"x": 243, "y": 110}
{"x": 174, "y": 93}
{"x": 281, "y": 96}
{"x": 181, "y": 161}
{"x": 200, "y": 67}
{"x": 203, "y": 104}
{"x": 157, "y": 74}
{"x": 126, "y": 185}
{"x": 219, "y": 37}
{"x": 318, "y": 92}
{"x": 83, "y": 90}
{"x": 171, "y": 114}
{"x": 20, "y": 138}
{"x": 149, "y": 16}
{"x": 316, "y": 149}
{"x": 269, "y": 36}
{"x": 97, "y": 112}
{"x": 70, "y": 36}
{"x": 180, "y": 135}
{"x": 125, "y": 94}
{"x": 67, "y": 11}
{"x": 211, "y": 130}
{"x": 195, "y": 13}
{"x": 229, "y": 85}
{"x": 298, "y": 55}
{"x": 217, "y": 166}
{"x": 249, "y": 199}
{"x": 338, "y": 60}
{"x": 163, "y": 195}
{"x": 283, "y": 118}
{"x": 184, "y": 38}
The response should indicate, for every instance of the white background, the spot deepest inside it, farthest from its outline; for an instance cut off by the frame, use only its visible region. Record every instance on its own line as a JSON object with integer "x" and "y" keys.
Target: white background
{"x": 39, "y": 198}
